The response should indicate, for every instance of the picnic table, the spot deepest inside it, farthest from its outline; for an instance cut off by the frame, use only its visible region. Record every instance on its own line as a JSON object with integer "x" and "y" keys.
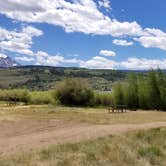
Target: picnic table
{"x": 11, "y": 103}
{"x": 117, "y": 108}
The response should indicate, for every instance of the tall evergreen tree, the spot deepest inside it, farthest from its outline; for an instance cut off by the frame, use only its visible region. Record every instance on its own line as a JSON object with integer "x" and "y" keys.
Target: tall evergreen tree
{"x": 143, "y": 93}
{"x": 161, "y": 78}
{"x": 154, "y": 100}
{"x": 131, "y": 91}
{"x": 118, "y": 94}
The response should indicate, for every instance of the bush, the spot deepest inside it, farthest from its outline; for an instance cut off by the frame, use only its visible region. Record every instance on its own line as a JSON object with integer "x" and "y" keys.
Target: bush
{"x": 102, "y": 99}
{"x": 15, "y": 95}
{"x": 39, "y": 97}
{"x": 74, "y": 92}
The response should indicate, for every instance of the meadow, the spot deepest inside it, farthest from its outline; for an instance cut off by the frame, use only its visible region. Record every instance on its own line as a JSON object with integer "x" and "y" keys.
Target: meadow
{"x": 90, "y": 115}
{"x": 70, "y": 124}
{"x": 137, "y": 148}
{"x": 117, "y": 140}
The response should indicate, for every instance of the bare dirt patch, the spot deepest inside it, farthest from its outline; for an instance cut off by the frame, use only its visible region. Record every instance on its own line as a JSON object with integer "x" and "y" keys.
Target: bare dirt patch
{"x": 28, "y": 134}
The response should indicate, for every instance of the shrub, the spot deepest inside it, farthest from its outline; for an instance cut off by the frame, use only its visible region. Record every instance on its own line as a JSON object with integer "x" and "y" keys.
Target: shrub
{"x": 74, "y": 92}
{"x": 42, "y": 97}
{"x": 103, "y": 99}
{"x": 15, "y": 95}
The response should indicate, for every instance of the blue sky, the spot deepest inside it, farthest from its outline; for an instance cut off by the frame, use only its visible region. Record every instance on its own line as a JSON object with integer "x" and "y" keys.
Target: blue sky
{"x": 109, "y": 34}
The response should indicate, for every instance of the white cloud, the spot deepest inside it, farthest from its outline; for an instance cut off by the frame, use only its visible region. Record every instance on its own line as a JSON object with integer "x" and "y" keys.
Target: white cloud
{"x": 153, "y": 38}
{"x": 18, "y": 41}
{"x": 105, "y": 4}
{"x": 25, "y": 59}
{"x": 43, "y": 58}
{"x": 131, "y": 63}
{"x": 42, "y": 54}
{"x": 50, "y": 60}
{"x": 32, "y": 31}
{"x": 98, "y": 63}
{"x": 143, "y": 63}
{"x": 125, "y": 28}
{"x": 122, "y": 42}
{"x": 79, "y": 16}
{"x": 21, "y": 42}
{"x": 20, "y": 5}
{"x": 107, "y": 53}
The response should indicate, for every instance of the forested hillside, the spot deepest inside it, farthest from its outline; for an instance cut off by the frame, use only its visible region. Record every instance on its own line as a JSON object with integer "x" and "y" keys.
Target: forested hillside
{"x": 44, "y": 78}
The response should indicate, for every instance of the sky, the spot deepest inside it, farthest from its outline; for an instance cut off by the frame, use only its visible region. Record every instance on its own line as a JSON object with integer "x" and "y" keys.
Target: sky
{"x": 96, "y": 34}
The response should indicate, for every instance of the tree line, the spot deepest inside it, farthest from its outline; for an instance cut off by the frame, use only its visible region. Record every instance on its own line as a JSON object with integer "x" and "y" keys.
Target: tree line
{"x": 143, "y": 91}
{"x": 71, "y": 92}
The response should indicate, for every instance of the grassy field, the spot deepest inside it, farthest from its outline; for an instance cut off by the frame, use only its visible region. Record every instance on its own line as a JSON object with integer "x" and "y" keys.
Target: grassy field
{"x": 87, "y": 115}
{"x": 136, "y": 148}
{"x": 133, "y": 149}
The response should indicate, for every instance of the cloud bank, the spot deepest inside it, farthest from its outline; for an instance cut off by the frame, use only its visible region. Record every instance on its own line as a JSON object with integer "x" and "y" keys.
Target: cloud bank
{"x": 82, "y": 16}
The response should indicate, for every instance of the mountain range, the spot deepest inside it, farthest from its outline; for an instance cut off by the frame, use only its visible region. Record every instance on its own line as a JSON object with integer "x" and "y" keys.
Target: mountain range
{"x": 6, "y": 61}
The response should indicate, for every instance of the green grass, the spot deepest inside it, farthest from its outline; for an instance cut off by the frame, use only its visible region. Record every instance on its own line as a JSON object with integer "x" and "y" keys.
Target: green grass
{"x": 87, "y": 115}
{"x": 133, "y": 149}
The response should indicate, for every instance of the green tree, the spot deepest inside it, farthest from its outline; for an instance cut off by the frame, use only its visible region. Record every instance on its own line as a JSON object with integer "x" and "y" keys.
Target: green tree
{"x": 118, "y": 94}
{"x": 143, "y": 93}
{"x": 74, "y": 92}
{"x": 162, "y": 87}
{"x": 131, "y": 92}
{"x": 154, "y": 100}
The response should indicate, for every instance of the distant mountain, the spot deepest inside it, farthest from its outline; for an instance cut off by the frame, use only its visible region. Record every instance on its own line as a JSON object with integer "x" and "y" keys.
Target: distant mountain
{"x": 6, "y": 62}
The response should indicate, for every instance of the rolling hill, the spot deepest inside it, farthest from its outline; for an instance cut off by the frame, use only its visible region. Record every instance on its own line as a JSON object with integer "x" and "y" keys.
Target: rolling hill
{"x": 44, "y": 78}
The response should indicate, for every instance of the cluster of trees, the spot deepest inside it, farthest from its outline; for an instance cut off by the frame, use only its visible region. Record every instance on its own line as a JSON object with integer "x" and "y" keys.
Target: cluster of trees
{"x": 144, "y": 91}
{"x": 72, "y": 92}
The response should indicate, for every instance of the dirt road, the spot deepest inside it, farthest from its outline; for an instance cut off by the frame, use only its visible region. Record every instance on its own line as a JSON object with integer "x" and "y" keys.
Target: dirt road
{"x": 26, "y": 134}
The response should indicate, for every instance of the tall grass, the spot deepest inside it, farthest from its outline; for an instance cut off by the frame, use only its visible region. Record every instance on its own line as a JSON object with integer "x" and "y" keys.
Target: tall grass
{"x": 134, "y": 149}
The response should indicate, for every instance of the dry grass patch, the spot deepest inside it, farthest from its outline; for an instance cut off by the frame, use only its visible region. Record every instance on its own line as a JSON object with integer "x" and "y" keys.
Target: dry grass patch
{"x": 88, "y": 115}
{"x": 136, "y": 148}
